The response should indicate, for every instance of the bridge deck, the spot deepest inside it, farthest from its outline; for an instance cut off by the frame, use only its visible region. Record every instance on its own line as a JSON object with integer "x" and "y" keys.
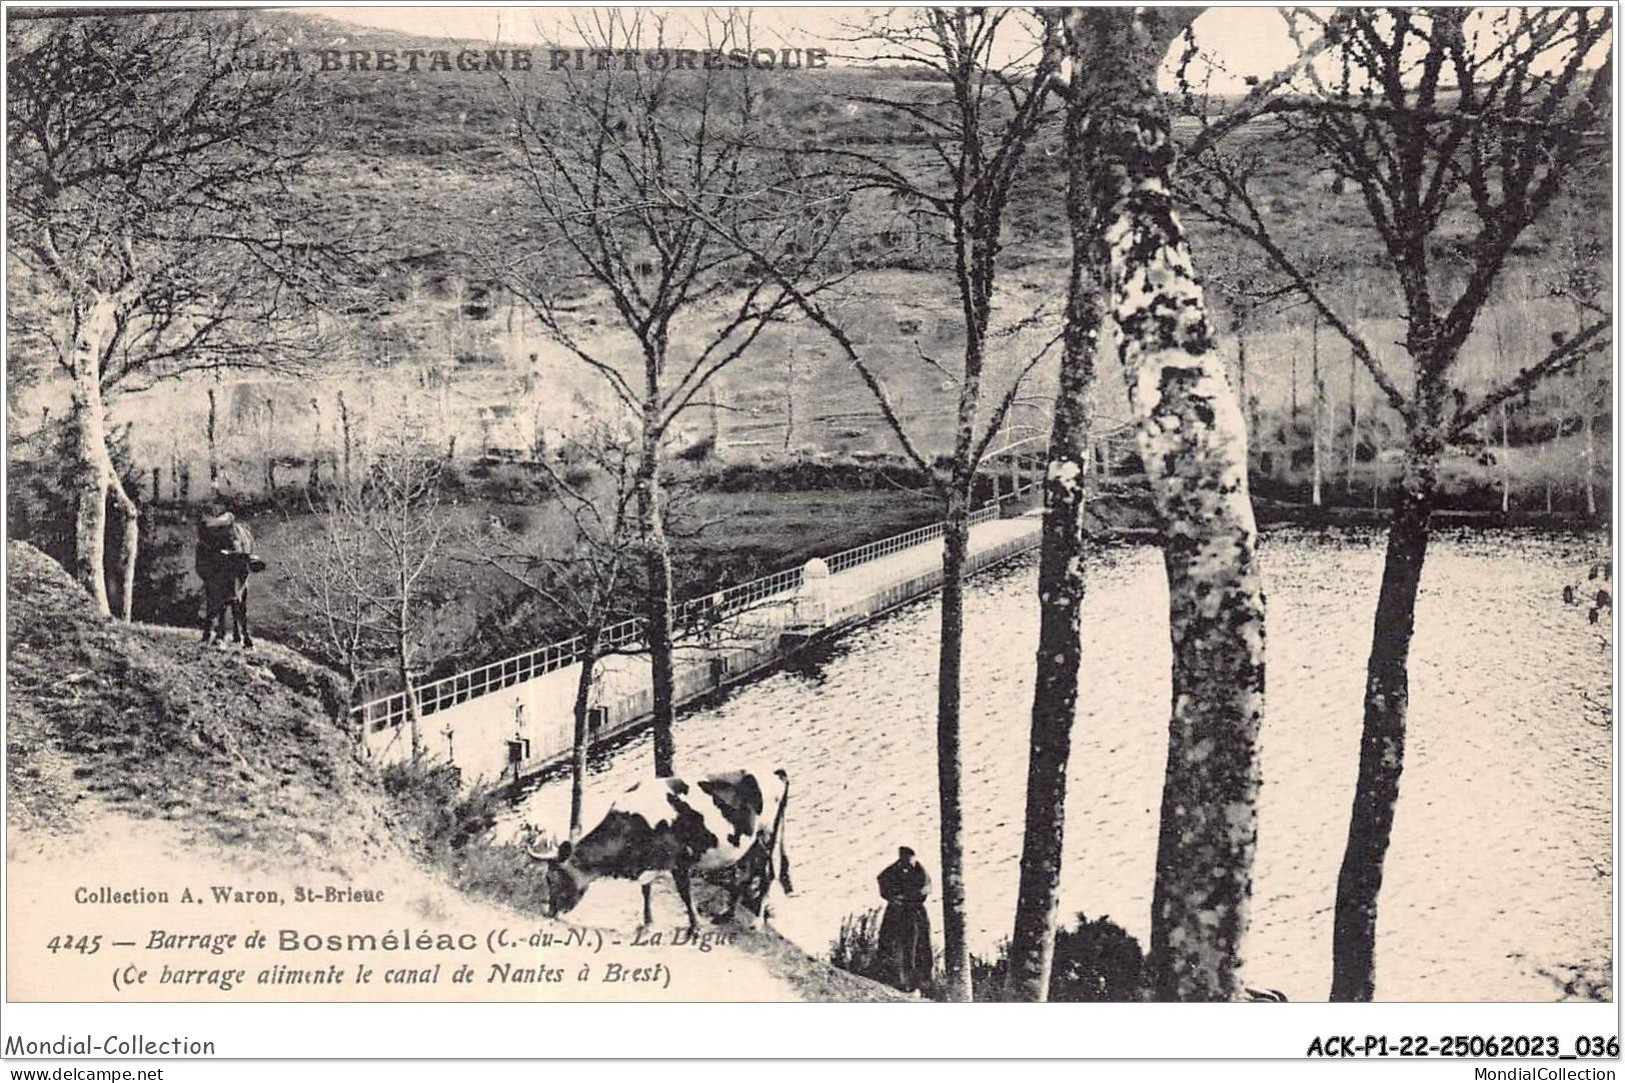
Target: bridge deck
{"x": 474, "y": 734}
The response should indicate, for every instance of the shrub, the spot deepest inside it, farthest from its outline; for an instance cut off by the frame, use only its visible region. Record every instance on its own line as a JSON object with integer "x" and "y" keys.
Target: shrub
{"x": 452, "y": 831}
{"x": 41, "y": 506}
{"x": 1094, "y": 961}
{"x": 854, "y": 947}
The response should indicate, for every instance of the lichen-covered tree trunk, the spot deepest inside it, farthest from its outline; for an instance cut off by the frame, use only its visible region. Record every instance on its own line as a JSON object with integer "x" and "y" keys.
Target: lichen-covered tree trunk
{"x": 1382, "y": 737}
{"x": 1192, "y": 440}
{"x": 950, "y": 801}
{"x": 1061, "y": 586}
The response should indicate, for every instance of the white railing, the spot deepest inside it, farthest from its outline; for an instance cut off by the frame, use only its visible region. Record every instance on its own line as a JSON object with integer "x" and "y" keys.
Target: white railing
{"x": 436, "y": 695}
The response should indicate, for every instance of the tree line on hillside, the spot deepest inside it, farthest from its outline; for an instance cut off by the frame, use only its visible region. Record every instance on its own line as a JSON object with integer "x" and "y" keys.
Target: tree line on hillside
{"x": 162, "y": 225}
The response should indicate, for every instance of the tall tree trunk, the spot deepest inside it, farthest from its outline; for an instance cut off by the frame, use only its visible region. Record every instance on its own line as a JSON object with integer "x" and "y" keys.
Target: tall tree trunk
{"x": 1061, "y": 584}
{"x": 1506, "y": 464}
{"x": 1354, "y": 425}
{"x": 789, "y": 396}
{"x": 315, "y": 481}
{"x": 270, "y": 447}
{"x": 1294, "y": 424}
{"x": 403, "y": 665}
{"x": 1249, "y": 415}
{"x": 1193, "y": 441}
{"x": 582, "y": 738}
{"x": 344, "y": 421}
{"x": 130, "y": 514}
{"x": 657, "y": 610}
{"x": 1499, "y": 363}
{"x": 1382, "y": 739}
{"x": 1317, "y": 422}
{"x": 214, "y": 446}
{"x": 92, "y": 474}
{"x": 1587, "y": 416}
{"x": 955, "y": 545}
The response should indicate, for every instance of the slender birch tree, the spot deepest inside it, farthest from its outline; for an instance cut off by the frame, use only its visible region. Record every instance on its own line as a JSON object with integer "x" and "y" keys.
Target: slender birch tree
{"x": 583, "y": 581}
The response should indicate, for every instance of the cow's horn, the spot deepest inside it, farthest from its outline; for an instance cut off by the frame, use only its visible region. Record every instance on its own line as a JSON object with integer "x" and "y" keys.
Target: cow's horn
{"x": 531, "y": 850}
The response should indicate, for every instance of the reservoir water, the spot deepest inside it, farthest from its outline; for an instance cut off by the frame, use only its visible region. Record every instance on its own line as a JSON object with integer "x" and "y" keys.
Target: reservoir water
{"x": 1499, "y": 879}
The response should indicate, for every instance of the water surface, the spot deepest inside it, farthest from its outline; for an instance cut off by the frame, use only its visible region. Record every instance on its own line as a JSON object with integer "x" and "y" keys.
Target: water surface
{"x": 1498, "y": 882}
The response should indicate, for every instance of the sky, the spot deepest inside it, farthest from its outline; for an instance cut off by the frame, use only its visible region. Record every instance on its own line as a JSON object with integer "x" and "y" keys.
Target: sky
{"x": 1244, "y": 40}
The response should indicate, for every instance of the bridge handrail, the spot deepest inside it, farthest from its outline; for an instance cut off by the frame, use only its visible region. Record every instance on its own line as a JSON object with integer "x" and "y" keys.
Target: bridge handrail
{"x": 432, "y": 696}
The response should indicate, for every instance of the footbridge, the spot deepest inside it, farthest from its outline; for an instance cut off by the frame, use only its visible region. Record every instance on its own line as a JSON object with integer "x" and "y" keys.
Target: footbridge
{"x": 515, "y": 717}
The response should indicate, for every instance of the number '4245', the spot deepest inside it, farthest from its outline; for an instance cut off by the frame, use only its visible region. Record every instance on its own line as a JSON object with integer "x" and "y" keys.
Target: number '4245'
{"x": 84, "y": 945}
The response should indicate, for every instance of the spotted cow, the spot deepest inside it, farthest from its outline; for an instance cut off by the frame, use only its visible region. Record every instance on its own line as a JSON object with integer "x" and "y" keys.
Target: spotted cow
{"x": 714, "y": 823}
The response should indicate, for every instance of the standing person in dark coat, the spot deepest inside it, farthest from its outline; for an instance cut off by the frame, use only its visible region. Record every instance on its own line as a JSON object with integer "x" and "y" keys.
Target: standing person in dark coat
{"x": 904, "y": 958}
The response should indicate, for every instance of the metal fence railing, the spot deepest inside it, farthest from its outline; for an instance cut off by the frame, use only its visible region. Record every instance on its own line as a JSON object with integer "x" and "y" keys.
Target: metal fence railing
{"x": 689, "y": 616}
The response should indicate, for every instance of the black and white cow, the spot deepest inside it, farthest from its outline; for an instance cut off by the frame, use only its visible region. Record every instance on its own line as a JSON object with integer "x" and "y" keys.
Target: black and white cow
{"x": 713, "y": 823}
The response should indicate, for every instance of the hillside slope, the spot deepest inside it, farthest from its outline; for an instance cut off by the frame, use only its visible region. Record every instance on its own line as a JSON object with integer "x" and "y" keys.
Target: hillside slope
{"x": 234, "y": 748}
{"x": 138, "y": 757}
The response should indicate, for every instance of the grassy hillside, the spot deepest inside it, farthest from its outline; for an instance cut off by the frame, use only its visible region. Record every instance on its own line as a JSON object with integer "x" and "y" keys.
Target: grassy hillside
{"x": 143, "y": 721}
{"x": 417, "y": 163}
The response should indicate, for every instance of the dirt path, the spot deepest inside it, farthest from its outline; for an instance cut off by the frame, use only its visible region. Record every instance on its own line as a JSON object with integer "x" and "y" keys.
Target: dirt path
{"x": 197, "y": 946}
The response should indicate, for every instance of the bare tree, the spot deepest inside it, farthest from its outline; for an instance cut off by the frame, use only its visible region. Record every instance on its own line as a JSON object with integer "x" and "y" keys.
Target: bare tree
{"x": 1192, "y": 440}
{"x": 583, "y": 581}
{"x": 152, "y": 221}
{"x": 614, "y": 166}
{"x": 979, "y": 112}
{"x": 1435, "y": 115}
{"x": 1581, "y": 274}
{"x": 1061, "y": 579}
{"x": 1235, "y": 277}
{"x": 367, "y": 581}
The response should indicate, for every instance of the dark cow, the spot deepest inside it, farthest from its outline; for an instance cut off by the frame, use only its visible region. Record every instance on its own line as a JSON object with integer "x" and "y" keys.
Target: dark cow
{"x": 224, "y": 560}
{"x": 713, "y": 824}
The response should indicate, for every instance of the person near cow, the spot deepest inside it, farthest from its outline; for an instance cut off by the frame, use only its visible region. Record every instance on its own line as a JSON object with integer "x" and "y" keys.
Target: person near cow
{"x": 224, "y": 561}
{"x": 904, "y": 957}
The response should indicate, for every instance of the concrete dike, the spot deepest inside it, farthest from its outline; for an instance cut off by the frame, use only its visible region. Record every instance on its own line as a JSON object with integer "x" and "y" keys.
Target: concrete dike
{"x": 514, "y": 718}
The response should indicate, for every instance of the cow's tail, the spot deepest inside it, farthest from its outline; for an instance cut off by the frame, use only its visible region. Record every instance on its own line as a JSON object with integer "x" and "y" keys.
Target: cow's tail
{"x": 778, "y": 835}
